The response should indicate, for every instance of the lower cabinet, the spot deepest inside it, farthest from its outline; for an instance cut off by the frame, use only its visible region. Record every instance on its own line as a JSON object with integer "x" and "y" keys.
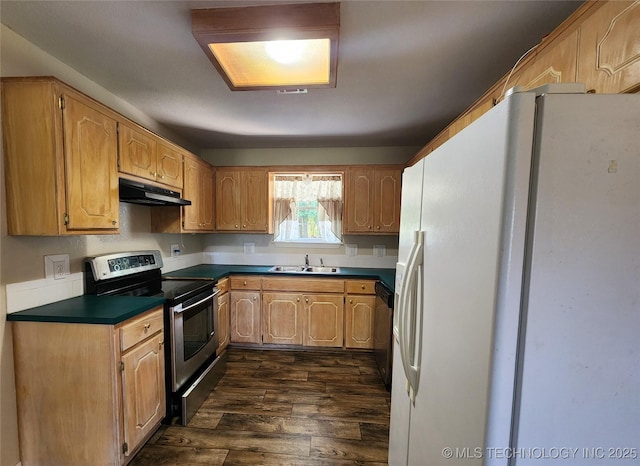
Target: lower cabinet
{"x": 282, "y": 318}
{"x": 88, "y": 393}
{"x": 324, "y": 320}
{"x": 314, "y": 312}
{"x": 358, "y": 323}
{"x": 245, "y": 317}
{"x": 359, "y": 314}
{"x": 223, "y": 315}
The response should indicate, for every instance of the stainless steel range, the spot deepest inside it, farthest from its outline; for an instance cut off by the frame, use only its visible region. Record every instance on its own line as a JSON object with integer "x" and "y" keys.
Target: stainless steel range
{"x": 190, "y": 310}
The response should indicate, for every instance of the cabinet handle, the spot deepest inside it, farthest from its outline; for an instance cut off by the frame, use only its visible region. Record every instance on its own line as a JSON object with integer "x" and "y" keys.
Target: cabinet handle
{"x": 255, "y": 298}
{"x": 378, "y": 227}
{"x": 362, "y": 286}
{"x": 369, "y": 227}
{"x": 237, "y": 227}
{"x": 244, "y": 283}
{"x": 146, "y": 327}
{"x": 244, "y": 226}
{"x": 114, "y": 222}
{"x": 297, "y": 300}
{"x": 351, "y": 301}
{"x": 306, "y": 300}
{"x": 162, "y": 177}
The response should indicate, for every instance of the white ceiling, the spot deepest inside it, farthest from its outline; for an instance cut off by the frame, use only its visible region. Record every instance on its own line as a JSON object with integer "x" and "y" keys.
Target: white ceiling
{"x": 405, "y": 68}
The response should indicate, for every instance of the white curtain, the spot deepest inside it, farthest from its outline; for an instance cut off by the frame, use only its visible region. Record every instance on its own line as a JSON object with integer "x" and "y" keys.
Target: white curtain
{"x": 288, "y": 190}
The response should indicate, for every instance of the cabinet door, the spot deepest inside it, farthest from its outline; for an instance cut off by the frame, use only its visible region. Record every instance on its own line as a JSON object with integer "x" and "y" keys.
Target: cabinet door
{"x": 169, "y": 166}
{"x": 198, "y": 188}
{"x": 324, "y": 320}
{"x": 245, "y": 317}
{"x": 282, "y": 318}
{"x": 359, "y": 201}
{"x": 557, "y": 64}
{"x": 609, "y": 48}
{"x": 255, "y": 200}
{"x": 137, "y": 152}
{"x": 228, "y": 212}
{"x": 359, "y": 313}
{"x": 223, "y": 322}
{"x": 90, "y": 150}
{"x": 386, "y": 205}
{"x": 143, "y": 390}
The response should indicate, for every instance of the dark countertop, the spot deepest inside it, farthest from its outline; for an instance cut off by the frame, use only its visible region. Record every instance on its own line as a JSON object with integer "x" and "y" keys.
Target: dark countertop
{"x": 89, "y": 309}
{"x": 218, "y": 271}
{"x": 111, "y": 310}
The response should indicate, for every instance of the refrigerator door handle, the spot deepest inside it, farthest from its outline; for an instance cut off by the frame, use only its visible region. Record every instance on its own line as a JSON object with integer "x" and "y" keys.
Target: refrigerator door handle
{"x": 411, "y": 302}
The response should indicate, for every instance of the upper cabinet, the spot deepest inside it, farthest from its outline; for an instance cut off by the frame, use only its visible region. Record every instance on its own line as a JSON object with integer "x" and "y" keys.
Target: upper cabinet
{"x": 60, "y": 150}
{"x": 609, "y": 48}
{"x": 145, "y": 155}
{"x": 242, "y": 200}
{"x": 198, "y": 188}
{"x": 372, "y": 200}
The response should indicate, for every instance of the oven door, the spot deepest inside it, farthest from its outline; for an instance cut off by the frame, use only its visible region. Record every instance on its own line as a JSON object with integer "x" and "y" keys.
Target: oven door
{"x": 194, "y": 335}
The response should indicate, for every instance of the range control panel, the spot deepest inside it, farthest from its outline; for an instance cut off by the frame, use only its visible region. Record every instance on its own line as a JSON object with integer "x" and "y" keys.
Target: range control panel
{"x": 123, "y": 263}
{"x": 131, "y": 262}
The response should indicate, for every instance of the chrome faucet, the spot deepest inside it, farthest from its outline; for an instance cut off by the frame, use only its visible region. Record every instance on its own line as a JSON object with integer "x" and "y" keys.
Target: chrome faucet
{"x": 306, "y": 260}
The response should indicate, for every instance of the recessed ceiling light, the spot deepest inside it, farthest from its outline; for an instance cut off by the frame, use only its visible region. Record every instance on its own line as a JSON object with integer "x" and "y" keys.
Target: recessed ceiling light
{"x": 271, "y": 47}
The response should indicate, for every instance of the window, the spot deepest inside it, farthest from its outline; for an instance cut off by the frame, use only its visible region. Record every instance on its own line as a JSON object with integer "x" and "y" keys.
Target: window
{"x": 307, "y": 208}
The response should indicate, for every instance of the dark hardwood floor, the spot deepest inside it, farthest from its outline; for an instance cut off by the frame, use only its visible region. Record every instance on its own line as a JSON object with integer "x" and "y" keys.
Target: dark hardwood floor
{"x": 277, "y": 407}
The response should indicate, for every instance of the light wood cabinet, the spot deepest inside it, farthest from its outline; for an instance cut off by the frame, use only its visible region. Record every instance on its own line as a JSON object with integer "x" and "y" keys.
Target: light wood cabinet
{"x": 359, "y": 314}
{"x": 60, "y": 151}
{"x": 245, "y": 312}
{"x": 609, "y": 48}
{"x": 145, "y": 155}
{"x": 323, "y": 320}
{"x": 198, "y": 188}
{"x": 223, "y": 315}
{"x": 282, "y": 318}
{"x": 372, "y": 200}
{"x": 95, "y": 390}
{"x": 242, "y": 202}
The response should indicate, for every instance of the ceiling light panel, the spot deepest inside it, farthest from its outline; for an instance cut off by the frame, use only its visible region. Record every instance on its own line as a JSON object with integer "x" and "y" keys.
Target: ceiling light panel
{"x": 271, "y": 47}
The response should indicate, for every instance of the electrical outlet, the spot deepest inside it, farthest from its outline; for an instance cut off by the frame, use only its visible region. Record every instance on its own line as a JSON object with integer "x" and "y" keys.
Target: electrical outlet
{"x": 57, "y": 266}
{"x": 175, "y": 250}
{"x": 249, "y": 248}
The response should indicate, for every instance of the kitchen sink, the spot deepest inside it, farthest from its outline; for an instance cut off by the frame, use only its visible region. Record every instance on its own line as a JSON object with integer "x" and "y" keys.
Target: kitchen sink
{"x": 303, "y": 269}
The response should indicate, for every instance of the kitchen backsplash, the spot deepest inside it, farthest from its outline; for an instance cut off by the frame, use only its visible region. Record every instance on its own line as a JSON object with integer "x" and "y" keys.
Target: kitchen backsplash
{"x": 33, "y": 293}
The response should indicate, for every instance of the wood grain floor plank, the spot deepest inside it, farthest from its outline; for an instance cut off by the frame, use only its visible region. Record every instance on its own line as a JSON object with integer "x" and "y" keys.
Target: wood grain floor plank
{"x": 249, "y": 458}
{"x": 162, "y": 455}
{"x": 273, "y": 396}
{"x": 310, "y": 366}
{"x": 291, "y": 425}
{"x": 283, "y": 385}
{"x": 337, "y": 412}
{"x": 236, "y": 440}
{"x": 348, "y": 449}
{"x": 205, "y": 419}
{"x": 374, "y": 432}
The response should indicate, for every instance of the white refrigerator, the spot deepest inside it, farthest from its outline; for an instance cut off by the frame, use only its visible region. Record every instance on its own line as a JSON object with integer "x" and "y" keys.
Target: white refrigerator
{"x": 517, "y": 323}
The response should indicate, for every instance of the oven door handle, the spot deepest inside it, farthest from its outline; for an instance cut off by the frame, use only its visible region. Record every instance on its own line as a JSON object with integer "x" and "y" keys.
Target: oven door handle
{"x": 181, "y": 310}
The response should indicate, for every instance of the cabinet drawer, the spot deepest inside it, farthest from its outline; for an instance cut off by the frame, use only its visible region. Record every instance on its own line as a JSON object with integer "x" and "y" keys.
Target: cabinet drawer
{"x": 139, "y": 328}
{"x": 241, "y": 282}
{"x": 301, "y": 285}
{"x": 223, "y": 285}
{"x": 360, "y": 286}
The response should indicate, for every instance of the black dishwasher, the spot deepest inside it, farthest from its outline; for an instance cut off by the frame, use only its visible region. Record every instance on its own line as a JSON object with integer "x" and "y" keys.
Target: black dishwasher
{"x": 383, "y": 332}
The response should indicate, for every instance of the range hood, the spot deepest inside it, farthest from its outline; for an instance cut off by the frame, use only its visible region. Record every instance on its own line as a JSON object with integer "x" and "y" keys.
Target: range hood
{"x": 135, "y": 192}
